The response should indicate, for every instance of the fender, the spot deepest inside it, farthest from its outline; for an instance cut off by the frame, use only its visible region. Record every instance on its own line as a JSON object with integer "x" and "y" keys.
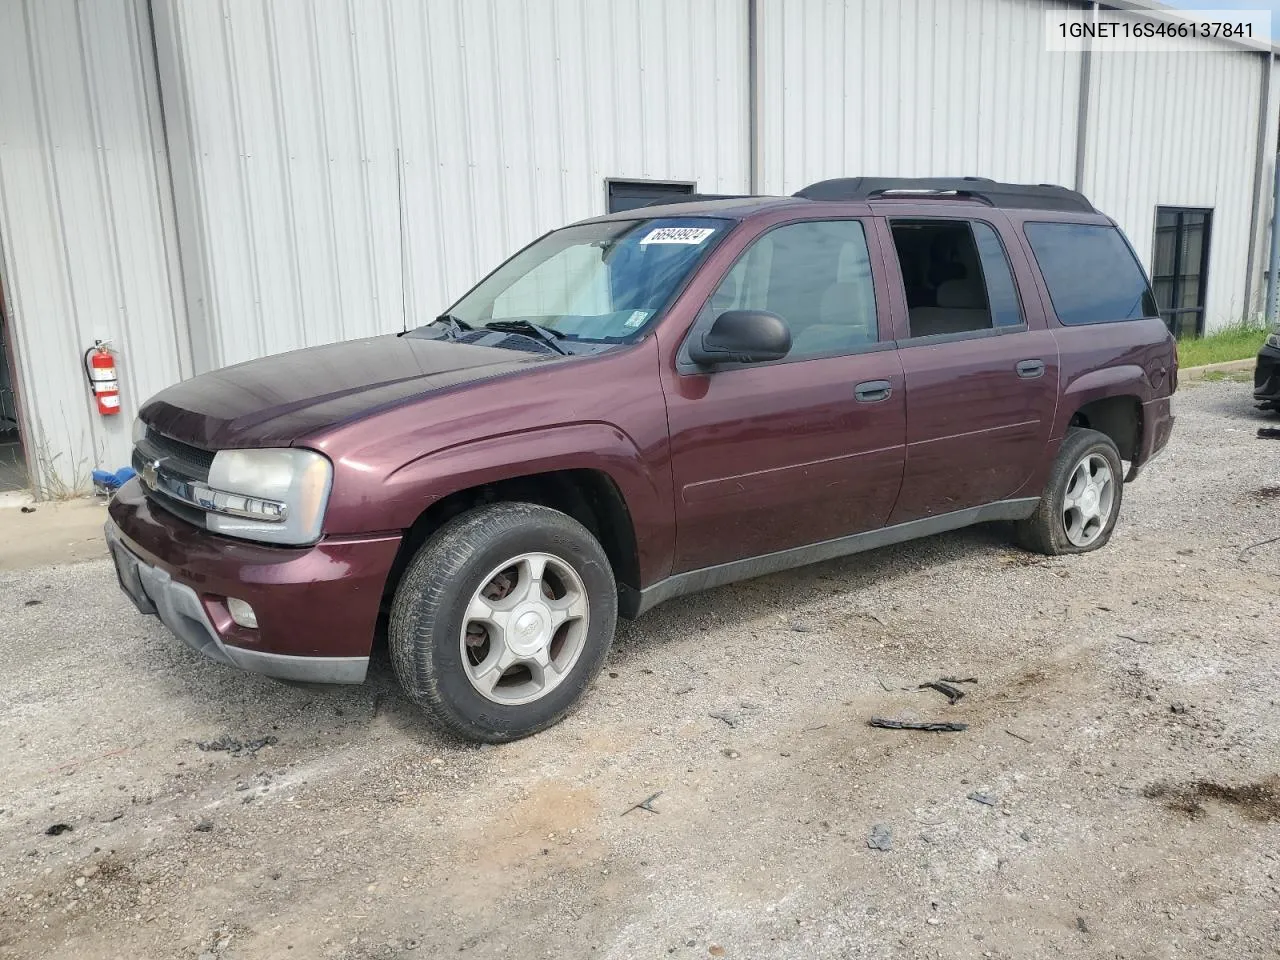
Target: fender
{"x": 591, "y": 445}
{"x": 1128, "y": 379}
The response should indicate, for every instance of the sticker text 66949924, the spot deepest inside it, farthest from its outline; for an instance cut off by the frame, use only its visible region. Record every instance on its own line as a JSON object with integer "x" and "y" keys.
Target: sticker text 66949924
{"x": 691, "y": 235}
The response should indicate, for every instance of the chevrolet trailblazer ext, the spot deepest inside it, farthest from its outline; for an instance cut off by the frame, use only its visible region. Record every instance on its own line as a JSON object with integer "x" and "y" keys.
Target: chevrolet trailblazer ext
{"x": 643, "y": 405}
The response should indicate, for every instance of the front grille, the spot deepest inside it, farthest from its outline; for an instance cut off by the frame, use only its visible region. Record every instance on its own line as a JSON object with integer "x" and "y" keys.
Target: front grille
{"x": 175, "y": 457}
{"x": 176, "y": 461}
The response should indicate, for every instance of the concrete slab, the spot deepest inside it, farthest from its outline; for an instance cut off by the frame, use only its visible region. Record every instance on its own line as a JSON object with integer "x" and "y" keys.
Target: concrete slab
{"x": 67, "y": 532}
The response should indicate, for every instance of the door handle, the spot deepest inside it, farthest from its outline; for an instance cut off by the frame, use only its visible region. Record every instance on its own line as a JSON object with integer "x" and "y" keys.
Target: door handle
{"x": 1029, "y": 369}
{"x": 873, "y": 391}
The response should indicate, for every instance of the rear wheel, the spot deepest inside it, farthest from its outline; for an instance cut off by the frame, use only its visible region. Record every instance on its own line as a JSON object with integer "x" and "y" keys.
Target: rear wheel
{"x": 1081, "y": 502}
{"x": 502, "y": 620}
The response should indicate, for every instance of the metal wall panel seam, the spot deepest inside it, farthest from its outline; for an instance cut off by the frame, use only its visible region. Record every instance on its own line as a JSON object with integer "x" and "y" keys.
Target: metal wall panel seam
{"x": 153, "y": 120}
{"x": 432, "y": 171}
{"x": 365, "y": 161}
{"x": 499, "y": 134}
{"x": 286, "y": 168}
{"x": 242, "y": 177}
{"x": 408, "y": 289}
{"x": 313, "y": 51}
{"x": 215, "y": 347}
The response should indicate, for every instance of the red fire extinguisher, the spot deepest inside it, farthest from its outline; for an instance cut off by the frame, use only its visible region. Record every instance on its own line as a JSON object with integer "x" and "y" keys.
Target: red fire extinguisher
{"x": 100, "y": 368}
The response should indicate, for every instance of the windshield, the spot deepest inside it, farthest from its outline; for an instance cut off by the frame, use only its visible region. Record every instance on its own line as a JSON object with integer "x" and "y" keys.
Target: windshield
{"x": 598, "y": 281}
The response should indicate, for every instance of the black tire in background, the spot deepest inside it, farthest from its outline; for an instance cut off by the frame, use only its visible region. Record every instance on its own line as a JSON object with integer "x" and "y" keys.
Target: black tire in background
{"x": 427, "y": 617}
{"x": 1045, "y": 530}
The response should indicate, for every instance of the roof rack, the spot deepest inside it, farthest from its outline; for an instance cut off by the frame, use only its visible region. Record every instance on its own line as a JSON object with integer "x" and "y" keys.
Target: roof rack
{"x": 1022, "y": 196}
{"x": 697, "y": 197}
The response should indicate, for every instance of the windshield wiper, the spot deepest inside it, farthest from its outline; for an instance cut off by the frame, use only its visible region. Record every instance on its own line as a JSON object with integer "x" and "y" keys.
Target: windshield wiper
{"x": 545, "y": 334}
{"x": 456, "y": 326}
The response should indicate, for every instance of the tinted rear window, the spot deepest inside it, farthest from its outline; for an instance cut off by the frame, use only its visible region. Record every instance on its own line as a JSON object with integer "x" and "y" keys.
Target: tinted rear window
{"x": 1091, "y": 273}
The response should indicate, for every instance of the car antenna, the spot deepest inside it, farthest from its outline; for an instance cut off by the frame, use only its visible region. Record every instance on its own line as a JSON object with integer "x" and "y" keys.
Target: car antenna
{"x": 404, "y": 265}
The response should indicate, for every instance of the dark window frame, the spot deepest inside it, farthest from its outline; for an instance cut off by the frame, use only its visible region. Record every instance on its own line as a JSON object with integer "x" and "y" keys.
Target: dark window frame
{"x": 992, "y": 331}
{"x": 681, "y": 188}
{"x": 1175, "y": 279}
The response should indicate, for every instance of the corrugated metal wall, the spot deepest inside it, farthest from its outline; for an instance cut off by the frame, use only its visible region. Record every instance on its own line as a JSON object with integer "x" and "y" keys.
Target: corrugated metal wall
{"x": 913, "y": 88}
{"x": 508, "y": 117}
{"x": 83, "y": 193}
{"x": 1179, "y": 129}
{"x": 967, "y": 87}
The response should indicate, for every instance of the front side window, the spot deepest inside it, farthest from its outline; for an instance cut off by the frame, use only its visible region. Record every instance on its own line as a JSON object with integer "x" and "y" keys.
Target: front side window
{"x": 1092, "y": 275}
{"x": 602, "y": 281}
{"x": 816, "y": 276}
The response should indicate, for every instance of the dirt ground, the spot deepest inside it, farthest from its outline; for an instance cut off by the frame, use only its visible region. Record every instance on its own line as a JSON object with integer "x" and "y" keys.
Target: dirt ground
{"x": 1115, "y": 793}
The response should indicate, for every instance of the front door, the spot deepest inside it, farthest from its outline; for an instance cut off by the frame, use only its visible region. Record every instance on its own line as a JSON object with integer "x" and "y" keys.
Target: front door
{"x": 981, "y": 369}
{"x": 777, "y": 455}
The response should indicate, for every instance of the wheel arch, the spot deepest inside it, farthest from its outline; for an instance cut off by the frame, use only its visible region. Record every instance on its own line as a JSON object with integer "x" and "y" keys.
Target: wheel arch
{"x": 589, "y": 495}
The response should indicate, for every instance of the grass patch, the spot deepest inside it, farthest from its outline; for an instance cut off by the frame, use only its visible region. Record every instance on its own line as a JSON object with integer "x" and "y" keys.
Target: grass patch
{"x": 1236, "y": 342}
{"x": 1239, "y": 376}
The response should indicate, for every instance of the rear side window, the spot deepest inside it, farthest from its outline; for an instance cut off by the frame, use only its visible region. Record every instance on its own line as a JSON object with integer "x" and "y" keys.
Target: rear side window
{"x": 1091, "y": 273}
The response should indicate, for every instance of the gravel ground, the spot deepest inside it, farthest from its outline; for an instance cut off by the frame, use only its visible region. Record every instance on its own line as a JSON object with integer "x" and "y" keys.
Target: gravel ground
{"x": 1123, "y": 745}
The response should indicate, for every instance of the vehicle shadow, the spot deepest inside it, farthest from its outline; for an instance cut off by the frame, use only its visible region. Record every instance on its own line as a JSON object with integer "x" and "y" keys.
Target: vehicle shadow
{"x": 785, "y": 595}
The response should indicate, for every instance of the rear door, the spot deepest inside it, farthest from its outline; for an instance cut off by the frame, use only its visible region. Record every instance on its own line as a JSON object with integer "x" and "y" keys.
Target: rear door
{"x": 777, "y": 455}
{"x": 981, "y": 367}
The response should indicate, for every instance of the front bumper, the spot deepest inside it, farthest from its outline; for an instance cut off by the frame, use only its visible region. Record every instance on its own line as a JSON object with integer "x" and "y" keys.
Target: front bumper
{"x": 1266, "y": 377}
{"x": 316, "y": 606}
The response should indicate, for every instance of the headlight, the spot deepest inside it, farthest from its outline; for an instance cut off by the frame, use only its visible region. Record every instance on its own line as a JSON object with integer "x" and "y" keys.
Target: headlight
{"x": 276, "y": 496}
{"x": 139, "y": 431}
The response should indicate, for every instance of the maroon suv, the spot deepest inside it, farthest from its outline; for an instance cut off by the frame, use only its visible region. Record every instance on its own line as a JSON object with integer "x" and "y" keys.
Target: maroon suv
{"x": 643, "y": 405}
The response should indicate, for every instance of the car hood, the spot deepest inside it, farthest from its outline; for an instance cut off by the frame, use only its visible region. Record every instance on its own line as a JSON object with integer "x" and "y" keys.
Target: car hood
{"x": 276, "y": 401}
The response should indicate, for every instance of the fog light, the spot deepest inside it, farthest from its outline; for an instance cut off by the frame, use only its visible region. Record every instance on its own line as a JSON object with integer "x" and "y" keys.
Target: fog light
{"x": 242, "y": 613}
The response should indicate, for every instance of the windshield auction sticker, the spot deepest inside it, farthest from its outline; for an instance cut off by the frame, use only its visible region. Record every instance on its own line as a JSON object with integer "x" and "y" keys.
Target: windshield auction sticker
{"x": 690, "y": 235}
{"x": 1114, "y": 31}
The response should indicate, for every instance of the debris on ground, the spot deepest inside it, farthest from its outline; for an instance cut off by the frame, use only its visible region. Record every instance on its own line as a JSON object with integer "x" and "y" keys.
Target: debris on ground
{"x": 227, "y": 743}
{"x": 932, "y": 726}
{"x": 28, "y": 509}
{"x": 1257, "y": 801}
{"x": 986, "y": 799}
{"x": 204, "y": 826}
{"x": 1254, "y": 546}
{"x": 1017, "y": 736}
{"x": 724, "y": 718}
{"x": 645, "y": 804}
{"x": 880, "y": 838}
{"x": 1081, "y": 925}
{"x": 32, "y": 603}
{"x": 58, "y": 829}
{"x": 953, "y": 694}
{"x": 795, "y": 626}
{"x": 1268, "y": 433}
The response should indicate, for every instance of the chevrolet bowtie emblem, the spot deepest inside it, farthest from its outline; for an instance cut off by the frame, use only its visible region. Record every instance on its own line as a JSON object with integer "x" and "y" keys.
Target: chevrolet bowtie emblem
{"x": 150, "y": 473}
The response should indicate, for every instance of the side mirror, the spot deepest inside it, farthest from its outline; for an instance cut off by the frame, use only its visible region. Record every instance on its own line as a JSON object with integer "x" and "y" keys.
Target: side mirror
{"x": 741, "y": 336}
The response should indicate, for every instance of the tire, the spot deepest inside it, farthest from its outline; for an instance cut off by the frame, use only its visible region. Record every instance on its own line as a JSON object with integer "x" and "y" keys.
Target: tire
{"x": 1047, "y": 530}
{"x": 440, "y": 652}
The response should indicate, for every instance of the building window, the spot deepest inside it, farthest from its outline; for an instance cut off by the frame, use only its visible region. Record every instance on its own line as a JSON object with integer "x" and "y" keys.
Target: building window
{"x": 1180, "y": 267}
{"x": 629, "y": 194}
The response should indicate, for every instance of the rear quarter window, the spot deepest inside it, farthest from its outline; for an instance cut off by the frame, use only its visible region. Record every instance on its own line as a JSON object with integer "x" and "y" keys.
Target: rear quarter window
{"x": 1091, "y": 273}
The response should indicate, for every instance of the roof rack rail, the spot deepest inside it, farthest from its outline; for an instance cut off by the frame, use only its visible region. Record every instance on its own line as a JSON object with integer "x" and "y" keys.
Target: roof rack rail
{"x": 696, "y": 197}
{"x": 1021, "y": 196}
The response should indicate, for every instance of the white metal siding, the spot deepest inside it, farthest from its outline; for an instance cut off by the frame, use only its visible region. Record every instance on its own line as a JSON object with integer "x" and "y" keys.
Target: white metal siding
{"x": 1179, "y": 129}
{"x": 508, "y": 117}
{"x": 83, "y": 188}
{"x": 913, "y": 88}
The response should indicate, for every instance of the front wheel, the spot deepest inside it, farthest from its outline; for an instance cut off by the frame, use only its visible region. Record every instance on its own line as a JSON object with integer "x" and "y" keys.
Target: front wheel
{"x": 1081, "y": 502}
{"x": 502, "y": 620}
